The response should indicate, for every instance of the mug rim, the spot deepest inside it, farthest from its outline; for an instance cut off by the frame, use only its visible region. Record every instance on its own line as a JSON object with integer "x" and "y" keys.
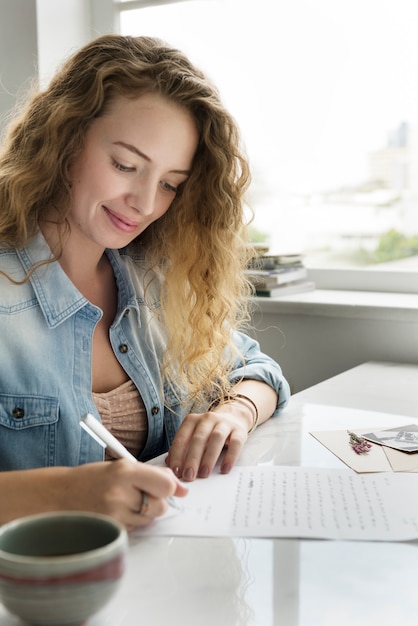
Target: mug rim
{"x": 11, "y": 557}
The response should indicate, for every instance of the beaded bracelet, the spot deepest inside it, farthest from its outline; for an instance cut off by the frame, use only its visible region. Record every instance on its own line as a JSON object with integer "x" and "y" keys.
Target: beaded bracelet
{"x": 238, "y": 397}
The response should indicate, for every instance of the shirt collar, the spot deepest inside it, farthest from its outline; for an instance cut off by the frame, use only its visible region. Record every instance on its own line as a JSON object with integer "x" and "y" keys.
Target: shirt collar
{"x": 57, "y": 296}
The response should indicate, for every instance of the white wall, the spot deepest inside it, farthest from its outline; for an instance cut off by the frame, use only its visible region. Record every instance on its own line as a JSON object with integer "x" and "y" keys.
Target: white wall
{"x": 62, "y": 26}
{"x": 18, "y": 51}
{"x": 311, "y": 348}
{"x": 37, "y": 35}
{"x": 66, "y": 25}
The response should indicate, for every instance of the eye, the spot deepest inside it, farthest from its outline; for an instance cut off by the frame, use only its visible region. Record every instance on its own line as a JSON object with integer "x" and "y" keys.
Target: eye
{"x": 122, "y": 168}
{"x": 168, "y": 187}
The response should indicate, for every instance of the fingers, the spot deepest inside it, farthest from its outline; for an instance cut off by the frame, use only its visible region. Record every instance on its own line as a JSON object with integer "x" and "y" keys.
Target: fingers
{"x": 235, "y": 445}
{"x": 152, "y": 487}
{"x": 133, "y": 493}
{"x": 147, "y": 509}
{"x": 200, "y": 442}
{"x": 158, "y": 482}
{"x": 196, "y": 447}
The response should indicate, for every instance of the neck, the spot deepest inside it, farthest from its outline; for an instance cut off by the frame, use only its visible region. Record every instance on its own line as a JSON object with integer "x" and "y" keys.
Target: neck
{"x": 80, "y": 259}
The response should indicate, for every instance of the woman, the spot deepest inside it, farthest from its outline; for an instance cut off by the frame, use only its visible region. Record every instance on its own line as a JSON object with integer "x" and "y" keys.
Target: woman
{"x": 122, "y": 247}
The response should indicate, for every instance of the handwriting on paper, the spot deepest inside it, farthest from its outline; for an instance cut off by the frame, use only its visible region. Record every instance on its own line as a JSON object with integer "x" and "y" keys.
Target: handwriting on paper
{"x": 278, "y": 501}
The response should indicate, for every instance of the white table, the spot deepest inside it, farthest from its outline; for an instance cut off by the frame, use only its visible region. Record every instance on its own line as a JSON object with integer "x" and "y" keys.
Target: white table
{"x": 264, "y": 582}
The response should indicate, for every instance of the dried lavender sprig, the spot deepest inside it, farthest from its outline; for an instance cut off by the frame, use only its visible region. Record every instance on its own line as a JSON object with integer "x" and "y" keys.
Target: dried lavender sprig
{"x": 360, "y": 445}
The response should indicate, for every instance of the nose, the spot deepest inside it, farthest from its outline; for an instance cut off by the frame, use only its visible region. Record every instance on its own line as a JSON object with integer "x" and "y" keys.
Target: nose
{"x": 143, "y": 196}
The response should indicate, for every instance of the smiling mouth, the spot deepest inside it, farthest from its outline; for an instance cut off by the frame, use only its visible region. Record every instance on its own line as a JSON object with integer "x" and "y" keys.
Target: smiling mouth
{"x": 122, "y": 223}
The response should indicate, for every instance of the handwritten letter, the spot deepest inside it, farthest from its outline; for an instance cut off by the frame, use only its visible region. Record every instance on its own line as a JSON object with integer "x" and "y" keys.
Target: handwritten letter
{"x": 276, "y": 501}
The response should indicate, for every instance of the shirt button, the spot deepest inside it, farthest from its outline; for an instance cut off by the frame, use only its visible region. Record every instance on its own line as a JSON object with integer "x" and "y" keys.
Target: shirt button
{"x": 155, "y": 410}
{"x": 123, "y": 348}
{"x": 18, "y": 413}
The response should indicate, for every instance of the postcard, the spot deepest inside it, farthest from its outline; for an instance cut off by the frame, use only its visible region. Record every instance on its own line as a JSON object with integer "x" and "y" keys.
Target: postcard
{"x": 381, "y": 457}
{"x": 404, "y": 438}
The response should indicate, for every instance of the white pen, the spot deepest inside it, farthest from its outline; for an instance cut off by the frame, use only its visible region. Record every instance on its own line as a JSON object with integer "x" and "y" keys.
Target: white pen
{"x": 105, "y": 438}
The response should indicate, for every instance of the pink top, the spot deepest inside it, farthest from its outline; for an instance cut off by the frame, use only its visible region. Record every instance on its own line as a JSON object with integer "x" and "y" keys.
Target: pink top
{"x": 122, "y": 411}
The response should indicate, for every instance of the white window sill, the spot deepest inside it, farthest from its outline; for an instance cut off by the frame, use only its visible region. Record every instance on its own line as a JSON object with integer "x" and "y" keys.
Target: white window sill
{"x": 349, "y": 304}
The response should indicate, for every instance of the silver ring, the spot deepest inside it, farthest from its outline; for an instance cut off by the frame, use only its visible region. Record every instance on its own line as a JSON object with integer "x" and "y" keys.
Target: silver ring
{"x": 143, "y": 510}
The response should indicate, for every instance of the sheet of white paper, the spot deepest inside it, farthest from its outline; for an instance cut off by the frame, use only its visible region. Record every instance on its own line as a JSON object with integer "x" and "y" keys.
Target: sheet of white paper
{"x": 281, "y": 501}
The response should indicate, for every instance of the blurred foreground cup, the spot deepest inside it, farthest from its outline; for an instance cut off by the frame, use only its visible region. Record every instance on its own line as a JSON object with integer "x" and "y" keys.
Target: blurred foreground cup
{"x": 58, "y": 569}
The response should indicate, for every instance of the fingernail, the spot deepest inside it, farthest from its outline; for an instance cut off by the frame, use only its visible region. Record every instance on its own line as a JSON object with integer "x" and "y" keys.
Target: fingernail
{"x": 177, "y": 471}
{"x": 225, "y": 468}
{"x": 204, "y": 472}
{"x": 188, "y": 474}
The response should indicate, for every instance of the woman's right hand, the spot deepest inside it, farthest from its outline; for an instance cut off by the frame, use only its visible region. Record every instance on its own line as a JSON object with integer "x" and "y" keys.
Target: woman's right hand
{"x": 116, "y": 488}
{"x": 112, "y": 488}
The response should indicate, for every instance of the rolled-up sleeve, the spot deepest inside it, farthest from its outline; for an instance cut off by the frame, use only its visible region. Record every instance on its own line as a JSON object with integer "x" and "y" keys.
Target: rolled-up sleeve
{"x": 256, "y": 365}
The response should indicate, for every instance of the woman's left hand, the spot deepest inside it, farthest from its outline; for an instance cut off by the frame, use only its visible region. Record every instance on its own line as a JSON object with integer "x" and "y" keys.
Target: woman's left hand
{"x": 202, "y": 437}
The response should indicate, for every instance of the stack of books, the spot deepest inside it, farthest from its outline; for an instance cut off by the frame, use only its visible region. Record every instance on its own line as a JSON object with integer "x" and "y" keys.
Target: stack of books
{"x": 278, "y": 275}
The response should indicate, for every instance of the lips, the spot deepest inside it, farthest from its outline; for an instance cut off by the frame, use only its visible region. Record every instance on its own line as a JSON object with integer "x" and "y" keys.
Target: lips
{"x": 121, "y": 222}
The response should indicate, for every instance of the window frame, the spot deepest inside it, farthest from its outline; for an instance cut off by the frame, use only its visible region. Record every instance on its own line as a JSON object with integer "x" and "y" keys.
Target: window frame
{"x": 393, "y": 281}
{"x": 364, "y": 279}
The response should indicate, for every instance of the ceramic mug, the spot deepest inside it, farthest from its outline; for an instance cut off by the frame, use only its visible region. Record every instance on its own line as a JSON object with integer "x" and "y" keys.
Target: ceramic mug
{"x": 60, "y": 568}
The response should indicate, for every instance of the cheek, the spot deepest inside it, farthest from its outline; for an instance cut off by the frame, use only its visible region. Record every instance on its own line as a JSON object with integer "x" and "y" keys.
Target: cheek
{"x": 163, "y": 206}
{"x": 92, "y": 184}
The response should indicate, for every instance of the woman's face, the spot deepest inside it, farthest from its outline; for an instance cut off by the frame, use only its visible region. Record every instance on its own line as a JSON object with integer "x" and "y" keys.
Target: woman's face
{"x": 133, "y": 160}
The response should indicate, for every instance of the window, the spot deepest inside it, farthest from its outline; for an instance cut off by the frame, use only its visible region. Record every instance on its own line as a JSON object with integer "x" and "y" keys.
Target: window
{"x": 327, "y": 102}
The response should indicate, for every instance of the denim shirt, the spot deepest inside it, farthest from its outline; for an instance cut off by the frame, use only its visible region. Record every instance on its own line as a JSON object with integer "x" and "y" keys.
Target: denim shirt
{"x": 46, "y": 330}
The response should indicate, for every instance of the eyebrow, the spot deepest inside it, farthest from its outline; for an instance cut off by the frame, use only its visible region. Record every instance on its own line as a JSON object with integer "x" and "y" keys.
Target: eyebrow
{"x": 135, "y": 150}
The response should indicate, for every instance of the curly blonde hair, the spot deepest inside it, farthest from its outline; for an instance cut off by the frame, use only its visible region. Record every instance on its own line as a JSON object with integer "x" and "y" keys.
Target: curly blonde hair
{"x": 199, "y": 246}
